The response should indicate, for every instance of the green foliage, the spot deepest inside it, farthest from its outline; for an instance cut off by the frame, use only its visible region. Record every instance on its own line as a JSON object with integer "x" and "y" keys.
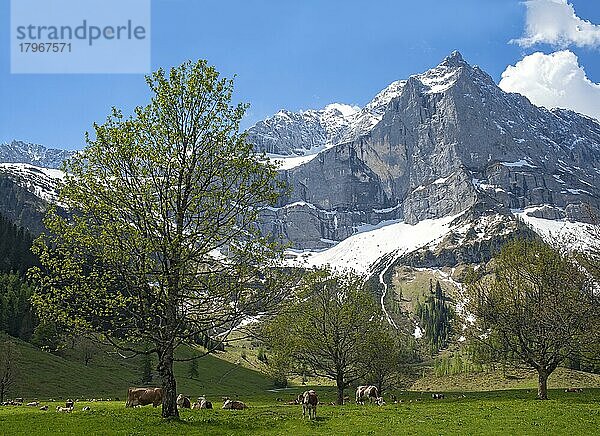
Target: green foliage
{"x": 456, "y": 362}
{"x": 193, "y": 369}
{"x": 386, "y": 355}
{"x": 436, "y": 316}
{"x": 16, "y": 314}
{"x": 146, "y": 367}
{"x": 262, "y": 356}
{"x": 47, "y": 336}
{"x": 15, "y": 248}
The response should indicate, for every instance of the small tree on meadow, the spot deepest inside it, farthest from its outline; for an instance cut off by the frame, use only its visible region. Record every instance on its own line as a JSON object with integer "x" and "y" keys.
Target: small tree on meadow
{"x": 193, "y": 369}
{"x": 386, "y": 355}
{"x": 327, "y": 332}
{"x": 533, "y": 306}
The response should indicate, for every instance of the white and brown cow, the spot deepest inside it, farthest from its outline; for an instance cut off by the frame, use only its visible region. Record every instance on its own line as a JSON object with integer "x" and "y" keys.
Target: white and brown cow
{"x": 368, "y": 392}
{"x": 309, "y": 403}
{"x": 234, "y": 405}
{"x": 183, "y": 402}
{"x": 202, "y": 403}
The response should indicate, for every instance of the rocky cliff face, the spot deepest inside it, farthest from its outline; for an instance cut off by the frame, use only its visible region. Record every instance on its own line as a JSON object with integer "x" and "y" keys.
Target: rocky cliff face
{"x": 21, "y": 206}
{"x": 434, "y": 145}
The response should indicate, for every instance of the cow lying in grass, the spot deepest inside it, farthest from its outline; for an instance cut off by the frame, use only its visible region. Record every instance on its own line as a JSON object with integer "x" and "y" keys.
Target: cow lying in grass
{"x": 309, "y": 403}
{"x": 234, "y": 405}
{"x": 183, "y": 402}
{"x": 202, "y": 403}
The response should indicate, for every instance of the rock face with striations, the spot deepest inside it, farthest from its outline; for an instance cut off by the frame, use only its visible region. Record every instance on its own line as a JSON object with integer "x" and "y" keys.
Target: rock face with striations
{"x": 434, "y": 145}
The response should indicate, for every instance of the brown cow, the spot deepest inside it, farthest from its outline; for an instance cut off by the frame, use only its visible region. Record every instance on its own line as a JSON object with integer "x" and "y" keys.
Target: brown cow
{"x": 144, "y": 396}
{"x": 309, "y": 403}
{"x": 573, "y": 390}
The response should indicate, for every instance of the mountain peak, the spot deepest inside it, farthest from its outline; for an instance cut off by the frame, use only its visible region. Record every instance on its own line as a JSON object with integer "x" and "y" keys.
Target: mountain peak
{"x": 454, "y": 59}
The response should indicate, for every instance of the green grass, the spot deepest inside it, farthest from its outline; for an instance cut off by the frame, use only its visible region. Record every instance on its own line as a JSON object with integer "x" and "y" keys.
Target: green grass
{"x": 44, "y": 376}
{"x": 489, "y": 413}
{"x": 413, "y": 285}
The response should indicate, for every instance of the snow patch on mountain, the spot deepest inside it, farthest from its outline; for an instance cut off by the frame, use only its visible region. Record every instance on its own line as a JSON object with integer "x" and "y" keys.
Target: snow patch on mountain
{"x": 287, "y": 162}
{"x": 571, "y": 234}
{"x": 345, "y": 109}
{"x": 43, "y": 182}
{"x": 361, "y": 250}
{"x": 438, "y": 79}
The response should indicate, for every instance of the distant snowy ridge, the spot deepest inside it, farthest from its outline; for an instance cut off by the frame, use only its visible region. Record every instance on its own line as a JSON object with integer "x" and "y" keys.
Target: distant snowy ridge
{"x": 569, "y": 234}
{"x": 33, "y": 154}
{"x": 291, "y": 134}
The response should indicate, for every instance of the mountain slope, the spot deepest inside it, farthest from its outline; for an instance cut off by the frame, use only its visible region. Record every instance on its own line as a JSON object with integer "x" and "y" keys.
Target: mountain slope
{"x": 46, "y": 375}
{"x": 29, "y": 177}
{"x": 25, "y": 193}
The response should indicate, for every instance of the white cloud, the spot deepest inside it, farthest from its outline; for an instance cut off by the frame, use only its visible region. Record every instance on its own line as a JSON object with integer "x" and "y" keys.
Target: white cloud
{"x": 555, "y": 22}
{"x": 554, "y": 80}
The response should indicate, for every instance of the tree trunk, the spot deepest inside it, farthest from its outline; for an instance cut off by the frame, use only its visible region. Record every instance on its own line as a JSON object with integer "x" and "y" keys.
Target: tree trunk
{"x": 165, "y": 368}
{"x": 380, "y": 387}
{"x": 542, "y": 384}
{"x": 340, "y": 390}
{"x": 1, "y": 392}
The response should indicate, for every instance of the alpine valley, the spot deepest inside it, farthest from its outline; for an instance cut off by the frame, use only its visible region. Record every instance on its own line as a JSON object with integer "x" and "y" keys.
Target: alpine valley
{"x": 436, "y": 171}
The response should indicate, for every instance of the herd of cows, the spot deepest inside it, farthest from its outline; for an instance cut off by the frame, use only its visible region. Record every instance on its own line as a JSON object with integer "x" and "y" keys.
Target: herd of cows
{"x": 68, "y": 407}
{"x": 137, "y": 397}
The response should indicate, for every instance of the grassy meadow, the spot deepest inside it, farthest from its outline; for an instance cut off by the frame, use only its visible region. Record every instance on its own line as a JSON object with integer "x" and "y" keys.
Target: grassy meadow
{"x": 500, "y": 412}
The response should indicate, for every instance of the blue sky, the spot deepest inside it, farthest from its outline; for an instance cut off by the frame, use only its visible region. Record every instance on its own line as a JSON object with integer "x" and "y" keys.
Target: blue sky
{"x": 306, "y": 54}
